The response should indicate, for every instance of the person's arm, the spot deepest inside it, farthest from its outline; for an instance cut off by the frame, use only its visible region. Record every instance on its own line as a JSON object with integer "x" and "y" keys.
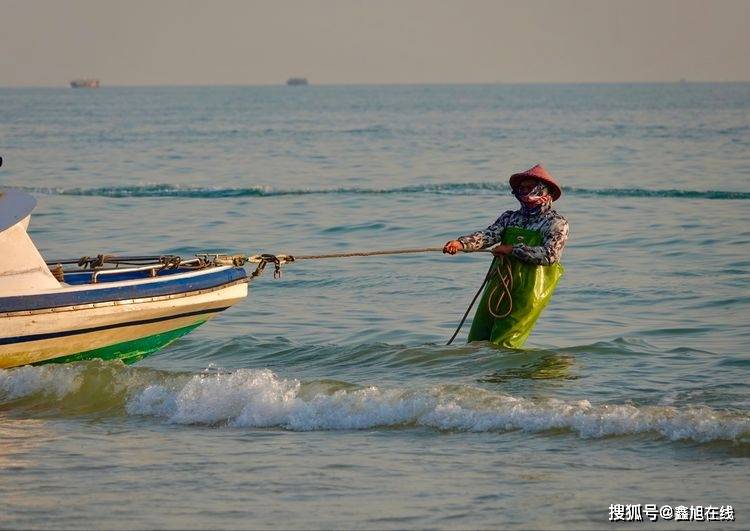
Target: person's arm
{"x": 487, "y": 237}
{"x": 551, "y": 249}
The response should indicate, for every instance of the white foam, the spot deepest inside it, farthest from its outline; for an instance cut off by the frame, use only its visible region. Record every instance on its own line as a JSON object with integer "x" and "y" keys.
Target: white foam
{"x": 55, "y": 380}
{"x": 259, "y": 398}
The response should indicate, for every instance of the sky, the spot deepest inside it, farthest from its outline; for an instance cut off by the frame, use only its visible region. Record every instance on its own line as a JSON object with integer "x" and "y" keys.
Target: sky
{"x": 248, "y": 42}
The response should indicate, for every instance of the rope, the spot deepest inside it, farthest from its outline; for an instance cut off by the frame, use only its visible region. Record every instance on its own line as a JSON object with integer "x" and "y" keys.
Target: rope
{"x": 501, "y": 268}
{"x": 503, "y": 289}
{"x": 471, "y": 305}
{"x": 505, "y": 283}
{"x": 280, "y": 259}
{"x": 87, "y": 262}
{"x": 368, "y": 253}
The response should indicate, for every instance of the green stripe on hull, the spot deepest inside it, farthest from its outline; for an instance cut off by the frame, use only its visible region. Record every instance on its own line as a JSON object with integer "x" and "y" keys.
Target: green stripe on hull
{"x": 128, "y": 351}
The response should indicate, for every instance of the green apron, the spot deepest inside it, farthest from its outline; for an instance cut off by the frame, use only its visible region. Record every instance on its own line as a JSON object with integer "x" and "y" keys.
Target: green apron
{"x": 531, "y": 290}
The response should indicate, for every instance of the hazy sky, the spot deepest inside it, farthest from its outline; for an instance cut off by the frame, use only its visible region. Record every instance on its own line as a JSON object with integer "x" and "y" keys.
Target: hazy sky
{"x": 134, "y": 42}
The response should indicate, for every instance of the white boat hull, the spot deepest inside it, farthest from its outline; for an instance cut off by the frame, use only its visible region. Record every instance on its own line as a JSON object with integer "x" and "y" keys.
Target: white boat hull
{"x": 126, "y": 329}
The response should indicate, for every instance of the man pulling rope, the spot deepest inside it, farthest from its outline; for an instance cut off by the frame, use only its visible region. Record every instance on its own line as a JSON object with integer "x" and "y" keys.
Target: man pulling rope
{"x": 523, "y": 274}
{"x": 531, "y": 241}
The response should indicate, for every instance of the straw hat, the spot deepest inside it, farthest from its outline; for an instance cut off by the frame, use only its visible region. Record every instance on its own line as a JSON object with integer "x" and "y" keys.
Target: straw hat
{"x": 540, "y": 174}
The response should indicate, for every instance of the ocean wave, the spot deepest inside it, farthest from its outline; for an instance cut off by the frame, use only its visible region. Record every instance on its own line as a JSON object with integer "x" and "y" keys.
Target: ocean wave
{"x": 471, "y": 188}
{"x": 260, "y": 398}
{"x": 53, "y": 382}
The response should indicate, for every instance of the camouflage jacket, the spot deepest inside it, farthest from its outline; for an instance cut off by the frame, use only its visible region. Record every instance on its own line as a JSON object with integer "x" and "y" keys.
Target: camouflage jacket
{"x": 552, "y": 226}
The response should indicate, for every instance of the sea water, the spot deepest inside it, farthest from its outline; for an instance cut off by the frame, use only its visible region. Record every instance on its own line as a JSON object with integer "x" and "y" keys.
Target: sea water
{"x": 328, "y": 398}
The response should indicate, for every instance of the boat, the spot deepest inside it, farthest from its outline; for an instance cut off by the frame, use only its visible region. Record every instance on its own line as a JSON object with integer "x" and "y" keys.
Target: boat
{"x": 296, "y": 81}
{"x": 106, "y": 307}
{"x": 84, "y": 83}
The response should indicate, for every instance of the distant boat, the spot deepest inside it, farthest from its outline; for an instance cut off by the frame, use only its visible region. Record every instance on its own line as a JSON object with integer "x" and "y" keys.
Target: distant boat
{"x": 296, "y": 81}
{"x": 85, "y": 83}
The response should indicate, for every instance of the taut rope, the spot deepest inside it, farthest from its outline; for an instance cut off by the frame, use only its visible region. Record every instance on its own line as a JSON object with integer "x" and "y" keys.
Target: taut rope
{"x": 369, "y": 253}
{"x": 280, "y": 259}
{"x": 499, "y": 297}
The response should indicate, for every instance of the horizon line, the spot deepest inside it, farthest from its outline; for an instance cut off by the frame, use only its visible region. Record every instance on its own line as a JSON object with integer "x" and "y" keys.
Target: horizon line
{"x": 683, "y": 81}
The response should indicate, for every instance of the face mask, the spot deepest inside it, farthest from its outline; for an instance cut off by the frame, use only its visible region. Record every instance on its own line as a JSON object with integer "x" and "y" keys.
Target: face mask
{"x": 539, "y": 195}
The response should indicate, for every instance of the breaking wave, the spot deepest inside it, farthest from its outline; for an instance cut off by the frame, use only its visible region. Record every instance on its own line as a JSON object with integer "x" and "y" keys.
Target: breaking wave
{"x": 171, "y": 190}
{"x": 260, "y": 398}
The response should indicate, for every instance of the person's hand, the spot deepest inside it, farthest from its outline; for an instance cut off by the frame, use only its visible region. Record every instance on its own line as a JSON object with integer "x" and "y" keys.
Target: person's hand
{"x": 452, "y": 247}
{"x": 502, "y": 250}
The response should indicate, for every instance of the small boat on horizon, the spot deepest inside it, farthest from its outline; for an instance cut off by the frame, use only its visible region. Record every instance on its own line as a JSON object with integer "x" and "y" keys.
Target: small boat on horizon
{"x": 104, "y": 307}
{"x": 85, "y": 83}
{"x": 297, "y": 81}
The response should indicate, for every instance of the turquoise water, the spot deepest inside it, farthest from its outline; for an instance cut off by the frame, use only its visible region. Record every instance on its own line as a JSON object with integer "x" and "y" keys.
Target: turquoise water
{"x": 328, "y": 398}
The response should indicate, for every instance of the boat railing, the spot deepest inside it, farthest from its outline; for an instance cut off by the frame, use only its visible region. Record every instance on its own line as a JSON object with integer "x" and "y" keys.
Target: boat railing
{"x": 152, "y": 264}
{"x": 153, "y": 270}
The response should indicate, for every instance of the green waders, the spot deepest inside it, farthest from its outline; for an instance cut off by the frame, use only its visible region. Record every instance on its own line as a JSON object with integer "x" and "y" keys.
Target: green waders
{"x": 530, "y": 290}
